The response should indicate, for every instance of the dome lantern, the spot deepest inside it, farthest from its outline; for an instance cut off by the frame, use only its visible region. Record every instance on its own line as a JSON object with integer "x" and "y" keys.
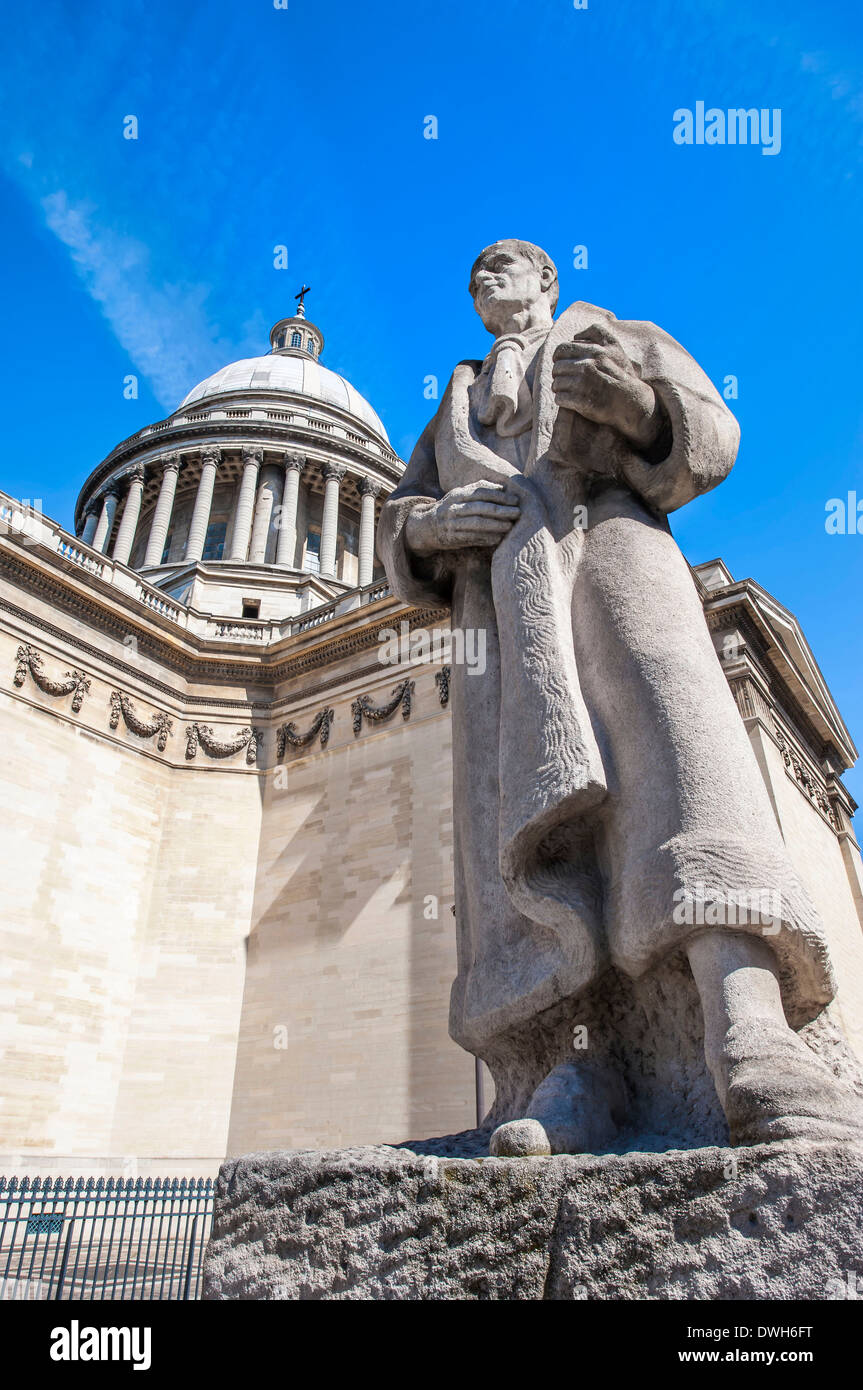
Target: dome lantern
{"x": 296, "y": 334}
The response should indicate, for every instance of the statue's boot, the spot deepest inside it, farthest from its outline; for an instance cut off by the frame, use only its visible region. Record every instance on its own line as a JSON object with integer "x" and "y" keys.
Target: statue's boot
{"x": 572, "y": 1111}
{"x": 773, "y": 1086}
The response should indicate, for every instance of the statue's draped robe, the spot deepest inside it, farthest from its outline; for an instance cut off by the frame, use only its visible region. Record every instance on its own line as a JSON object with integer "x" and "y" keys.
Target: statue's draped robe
{"x": 601, "y": 768}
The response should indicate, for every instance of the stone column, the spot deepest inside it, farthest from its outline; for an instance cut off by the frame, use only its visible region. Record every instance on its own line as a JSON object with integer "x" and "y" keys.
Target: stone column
{"x": 162, "y": 514}
{"x": 106, "y": 519}
{"x": 91, "y": 518}
{"x": 129, "y": 520}
{"x": 333, "y": 474}
{"x": 368, "y": 492}
{"x": 268, "y": 489}
{"x": 287, "y": 542}
{"x": 252, "y": 457}
{"x": 211, "y": 457}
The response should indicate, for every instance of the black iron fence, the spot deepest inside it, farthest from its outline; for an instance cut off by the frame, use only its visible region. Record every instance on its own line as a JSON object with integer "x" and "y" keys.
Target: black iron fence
{"x": 103, "y": 1238}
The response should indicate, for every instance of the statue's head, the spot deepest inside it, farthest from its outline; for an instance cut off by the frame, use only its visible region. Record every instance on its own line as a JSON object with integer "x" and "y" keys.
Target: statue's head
{"x": 511, "y": 277}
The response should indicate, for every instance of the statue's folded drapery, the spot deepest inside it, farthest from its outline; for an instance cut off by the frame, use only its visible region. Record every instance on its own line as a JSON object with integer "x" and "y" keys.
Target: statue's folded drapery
{"x": 602, "y": 771}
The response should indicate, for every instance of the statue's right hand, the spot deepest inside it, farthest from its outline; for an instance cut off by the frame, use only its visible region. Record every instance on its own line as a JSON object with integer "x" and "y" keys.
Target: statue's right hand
{"x": 480, "y": 514}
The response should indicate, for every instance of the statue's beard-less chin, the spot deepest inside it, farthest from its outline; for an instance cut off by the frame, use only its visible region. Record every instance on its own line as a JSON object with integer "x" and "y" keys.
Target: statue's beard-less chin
{"x": 496, "y": 313}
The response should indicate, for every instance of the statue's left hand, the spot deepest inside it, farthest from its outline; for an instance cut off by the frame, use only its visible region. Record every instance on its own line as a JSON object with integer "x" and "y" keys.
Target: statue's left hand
{"x": 593, "y": 376}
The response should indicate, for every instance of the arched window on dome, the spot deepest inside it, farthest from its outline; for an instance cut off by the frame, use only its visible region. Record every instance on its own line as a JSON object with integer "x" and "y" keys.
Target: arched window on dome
{"x": 296, "y": 340}
{"x": 311, "y": 346}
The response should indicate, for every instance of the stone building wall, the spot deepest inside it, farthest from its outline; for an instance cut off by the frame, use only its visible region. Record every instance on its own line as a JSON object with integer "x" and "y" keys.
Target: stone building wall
{"x": 154, "y": 936}
{"x": 817, "y": 856}
{"x": 353, "y": 944}
{"x": 123, "y": 941}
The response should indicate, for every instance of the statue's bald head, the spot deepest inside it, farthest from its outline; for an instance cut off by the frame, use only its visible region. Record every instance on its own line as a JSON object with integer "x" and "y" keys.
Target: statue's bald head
{"x": 509, "y": 277}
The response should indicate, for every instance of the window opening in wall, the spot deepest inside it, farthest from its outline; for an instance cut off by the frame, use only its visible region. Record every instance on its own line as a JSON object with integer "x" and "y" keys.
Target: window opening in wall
{"x": 313, "y": 550}
{"x": 251, "y": 608}
{"x": 214, "y": 545}
{"x": 296, "y": 340}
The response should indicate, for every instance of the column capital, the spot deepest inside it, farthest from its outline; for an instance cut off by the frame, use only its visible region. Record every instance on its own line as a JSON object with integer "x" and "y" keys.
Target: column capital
{"x": 295, "y": 461}
{"x": 211, "y": 453}
{"x": 253, "y": 453}
{"x": 367, "y": 487}
{"x": 170, "y": 463}
{"x": 112, "y": 489}
{"x": 333, "y": 470}
{"x": 134, "y": 475}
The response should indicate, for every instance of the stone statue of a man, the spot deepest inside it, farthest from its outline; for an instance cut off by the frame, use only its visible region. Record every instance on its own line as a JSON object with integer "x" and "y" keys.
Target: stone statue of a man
{"x": 602, "y": 773}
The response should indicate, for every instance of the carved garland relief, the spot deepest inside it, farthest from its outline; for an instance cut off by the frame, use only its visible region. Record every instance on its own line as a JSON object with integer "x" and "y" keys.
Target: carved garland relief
{"x": 200, "y": 736}
{"x": 796, "y": 768}
{"x": 362, "y": 708}
{"x": 75, "y": 683}
{"x": 145, "y": 728}
{"x": 288, "y": 734}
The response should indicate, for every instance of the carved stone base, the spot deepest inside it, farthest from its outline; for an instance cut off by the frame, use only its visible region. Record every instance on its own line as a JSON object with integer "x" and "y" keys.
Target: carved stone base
{"x": 775, "y": 1222}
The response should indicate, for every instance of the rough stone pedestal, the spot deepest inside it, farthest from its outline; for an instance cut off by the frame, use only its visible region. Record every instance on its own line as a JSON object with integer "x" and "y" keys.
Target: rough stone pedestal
{"x": 775, "y": 1222}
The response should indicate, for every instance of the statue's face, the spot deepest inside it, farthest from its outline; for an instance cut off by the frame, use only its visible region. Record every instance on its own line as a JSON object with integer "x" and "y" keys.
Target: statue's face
{"x": 504, "y": 282}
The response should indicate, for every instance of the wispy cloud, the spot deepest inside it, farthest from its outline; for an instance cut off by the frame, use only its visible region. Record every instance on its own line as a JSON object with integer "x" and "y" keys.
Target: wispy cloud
{"x": 155, "y": 265}
{"x": 163, "y": 327}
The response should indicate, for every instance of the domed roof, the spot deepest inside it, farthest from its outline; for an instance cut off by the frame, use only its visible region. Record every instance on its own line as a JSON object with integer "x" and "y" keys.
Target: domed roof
{"x": 295, "y": 372}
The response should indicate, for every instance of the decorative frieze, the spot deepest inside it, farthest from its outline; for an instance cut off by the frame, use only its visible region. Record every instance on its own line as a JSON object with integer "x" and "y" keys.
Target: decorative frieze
{"x": 75, "y": 683}
{"x": 441, "y": 680}
{"x": 288, "y": 734}
{"x": 201, "y": 736}
{"x": 363, "y": 708}
{"x": 159, "y": 724}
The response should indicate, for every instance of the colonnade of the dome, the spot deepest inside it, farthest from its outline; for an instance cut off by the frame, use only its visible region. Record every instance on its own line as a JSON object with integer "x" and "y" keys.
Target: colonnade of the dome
{"x": 273, "y": 511}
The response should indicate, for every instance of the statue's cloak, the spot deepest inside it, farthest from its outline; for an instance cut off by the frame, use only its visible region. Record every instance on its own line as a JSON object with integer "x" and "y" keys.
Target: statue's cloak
{"x": 602, "y": 773}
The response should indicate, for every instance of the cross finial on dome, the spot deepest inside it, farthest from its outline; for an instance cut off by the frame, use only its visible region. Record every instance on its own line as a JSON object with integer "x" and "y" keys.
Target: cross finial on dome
{"x": 301, "y": 308}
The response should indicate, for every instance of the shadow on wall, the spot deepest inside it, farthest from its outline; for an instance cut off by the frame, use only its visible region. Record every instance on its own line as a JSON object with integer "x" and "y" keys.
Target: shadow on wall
{"x": 343, "y": 1035}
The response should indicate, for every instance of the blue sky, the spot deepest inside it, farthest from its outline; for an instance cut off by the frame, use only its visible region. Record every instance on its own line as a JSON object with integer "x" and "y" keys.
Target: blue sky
{"x": 304, "y": 127}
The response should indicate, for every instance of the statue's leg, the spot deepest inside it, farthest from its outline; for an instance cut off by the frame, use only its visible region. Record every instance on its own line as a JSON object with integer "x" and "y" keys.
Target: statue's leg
{"x": 575, "y": 1109}
{"x": 770, "y": 1084}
